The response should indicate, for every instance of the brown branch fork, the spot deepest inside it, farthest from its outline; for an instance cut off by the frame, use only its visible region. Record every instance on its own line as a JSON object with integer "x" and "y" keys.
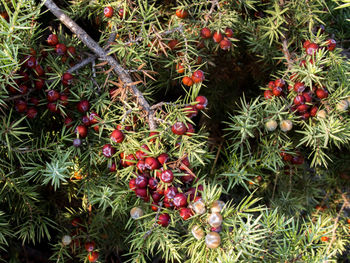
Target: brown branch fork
{"x": 99, "y": 51}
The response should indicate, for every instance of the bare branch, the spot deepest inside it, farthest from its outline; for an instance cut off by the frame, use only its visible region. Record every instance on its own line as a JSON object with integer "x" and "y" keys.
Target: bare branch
{"x": 94, "y": 46}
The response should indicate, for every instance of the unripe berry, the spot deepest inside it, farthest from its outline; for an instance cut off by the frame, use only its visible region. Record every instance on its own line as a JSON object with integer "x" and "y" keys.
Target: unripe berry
{"x": 331, "y": 44}
{"x": 271, "y": 125}
{"x": 136, "y": 212}
{"x": 342, "y": 105}
{"x": 286, "y": 125}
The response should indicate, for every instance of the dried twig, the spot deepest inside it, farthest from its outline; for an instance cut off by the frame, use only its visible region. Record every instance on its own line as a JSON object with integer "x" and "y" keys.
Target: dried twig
{"x": 94, "y": 46}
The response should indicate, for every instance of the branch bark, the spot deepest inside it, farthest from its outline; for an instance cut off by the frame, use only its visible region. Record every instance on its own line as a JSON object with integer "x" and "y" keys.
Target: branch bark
{"x": 94, "y": 46}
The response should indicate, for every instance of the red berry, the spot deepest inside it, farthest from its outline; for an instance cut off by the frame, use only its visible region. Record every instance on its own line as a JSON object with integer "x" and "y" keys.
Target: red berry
{"x": 76, "y": 222}
{"x": 71, "y": 51}
{"x": 311, "y": 49}
{"x": 39, "y": 84}
{"x": 34, "y": 101}
{"x": 141, "y": 192}
{"x": 61, "y": 49}
{"x": 321, "y": 93}
{"x": 39, "y": 71}
{"x": 122, "y": 13}
{"x": 279, "y": 83}
{"x": 93, "y": 256}
{"x": 83, "y": 106}
{"x": 187, "y": 81}
{"x": 151, "y": 163}
{"x": 225, "y": 44}
{"x": 140, "y": 165}
{"x": 302, "y": 108}
{"x": 180, "y": 200}
{"x": 229, "y": 32}
{"x": 180, "y": 68}
{"x": 277, "y": 91}
{"x": 299, "y": 99}
{"x": 63, "y": 99}
{"x": 190, "y": 129}
{"x": 306, "y": 43}
{"x": 141, "y": 181}
{"x": 52, "y": 40}
{"x": 179, "y": 128}
{"x": 305, "y": 115}
{"x": 173, "y": 44}
{"x": 68, "y": 122}
{"x": 90, "y": 246}
{"x": 271, "y": 85}
{"x": 331, "y": 44}
{"x": 132, "y": 184}
{"x": 217, "y": 37}
{"x": 129, "y": 160}
{"x": 152, "y": 183}
{"x": 187, "y": 178}
{"x": 268, "y": 94}
{"x": 112, "y": 167}
{"x": 205, "y": 33}
{"x": 299, "y": 87}
{"x": 156, "y": 196}
{"x": 53, "y": 95}
{"x": 153, "y": 135}
{"x": 307, "y": 96}
{"x": 303, "y": 63}
{"x": 81, "y": 130}
{"x": 85, "y": 120}
{"x": 164, "y": 220}
{"x": 31, "y": 113}
{"x": 23, "y": 89}
{"x": 154, "y": 206}
{"x": 170, "y": 192}
{"x": 31, "y": 62}
{"x": 163, "y": 158}
{"x": 198, "y": 76}
{"x": 108, "y": 11}
{"x": 313, "y": 111}
{"x": 185, "y": 213}
{"x": 298, "y": 160}
{"x": 67, "y": 78}
{"x": 167, "y": 176}
{"x": 202, "y": 102}
{"x": 181, "y": 13}
{"x": 117, "y": 136}
{"x": 52, "y": 107}
{"x": 185, "y": 162}
{"x": 191, "y": 111}
{"x": 108, "y": 151}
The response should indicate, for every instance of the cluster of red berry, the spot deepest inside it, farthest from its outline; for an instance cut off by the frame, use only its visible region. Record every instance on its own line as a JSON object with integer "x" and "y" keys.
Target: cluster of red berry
{"x": 305, "y": 99}
{"x": 223, "y": 39}
{"x": 32, "y": 79}
{"x": 155, "y": 175}
{"x": 75, "y": 243}
{"x": 109, "y": 11}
